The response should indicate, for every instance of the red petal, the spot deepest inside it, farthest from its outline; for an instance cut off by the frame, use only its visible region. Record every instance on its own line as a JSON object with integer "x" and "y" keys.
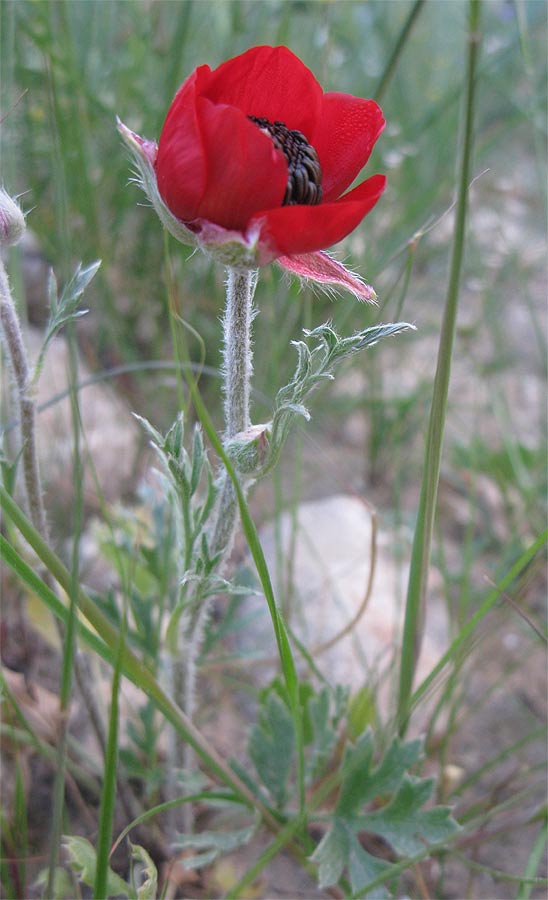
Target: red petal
{"x": 180, "y": 164}
{"x": 244, "y": 172}
{"x": 303, "y": 229}
{"x": 346, "y": 133}
{"x": 323, "y": 269}
{"x": 270, "y": 82}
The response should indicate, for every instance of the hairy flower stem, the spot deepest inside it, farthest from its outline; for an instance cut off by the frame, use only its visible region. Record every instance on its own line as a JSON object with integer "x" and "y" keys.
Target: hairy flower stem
{"x": 240, "y": 287}
{"x": 17, "y": 356}
{"x": 237, "y": 370}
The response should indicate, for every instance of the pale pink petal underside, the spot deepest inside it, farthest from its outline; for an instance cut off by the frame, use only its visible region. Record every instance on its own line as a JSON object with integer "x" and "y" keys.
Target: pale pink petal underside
{"x": 323, "y": 269}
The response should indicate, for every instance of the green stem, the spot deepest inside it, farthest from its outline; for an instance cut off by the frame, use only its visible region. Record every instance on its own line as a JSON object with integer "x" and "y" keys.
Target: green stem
{"x": 420, "y": 558}
{"x": 69, "y": 636}
{"x": 390, "y": 67}
{"x": 108, "y": 792}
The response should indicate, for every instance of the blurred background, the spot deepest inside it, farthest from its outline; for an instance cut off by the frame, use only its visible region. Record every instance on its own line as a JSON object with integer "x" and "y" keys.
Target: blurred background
{"x": 68, "y": 68}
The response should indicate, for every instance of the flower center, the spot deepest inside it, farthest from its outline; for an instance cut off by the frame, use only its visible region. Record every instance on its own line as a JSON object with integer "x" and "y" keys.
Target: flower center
{"x": 304, "y": 182}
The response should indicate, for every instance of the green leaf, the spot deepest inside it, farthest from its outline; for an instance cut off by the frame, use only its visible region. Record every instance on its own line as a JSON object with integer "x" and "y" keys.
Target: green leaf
{"x": 402, "y": 821}
{"x": 271, "y": 746}
{"x": 214, "y": 843}
{"x": 324, "y": 733}
{"x": 155, "y": 436}
{"x": 389, "y": 773}
{"x": 198, "y": 457}
{"x": 313, "y": 367}
{"x": 63, "y": 885}
{"x": 405, "y": 825}
{"x": 361, "y": 785}
{"x": 148, "y": 887}
{"x": 362, "y": 711}
{"x": 83, "y": 862}
{"x": 363, "y": 868}
{"x": 331, "y": 854}
{"x": 356, "y": 768}
{"x": 64, "y": 309}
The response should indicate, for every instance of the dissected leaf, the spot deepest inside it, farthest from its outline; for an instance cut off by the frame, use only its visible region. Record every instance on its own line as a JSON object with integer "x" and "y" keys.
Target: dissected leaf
{"x": 390, "y": 771}
{"x": 213, "y": 844}
{"x": 356, "y": 764}
{"x": 271, "y": 746}
{"x": 64, "y": 309}
{"x": 406, "y": 826}
{"x": 402, "y": 821}
{"x": 323, "y": 726}
{"x": 363, "y": 868}
{"x": 314, "y": 366}
{"x": 362, "y": 785}
{"x": 331, "y": 854}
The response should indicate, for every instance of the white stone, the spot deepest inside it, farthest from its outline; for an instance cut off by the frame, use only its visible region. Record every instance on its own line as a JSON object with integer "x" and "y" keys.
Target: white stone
{"x": 110, "y": 443}
{"x": 331, "y": 570}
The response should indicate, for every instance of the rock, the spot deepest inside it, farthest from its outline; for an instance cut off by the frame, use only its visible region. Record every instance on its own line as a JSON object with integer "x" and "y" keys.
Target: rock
{"x": 331, "y": 569}
{"x": 111, "y": 437}
{"x": 35, "y": 273}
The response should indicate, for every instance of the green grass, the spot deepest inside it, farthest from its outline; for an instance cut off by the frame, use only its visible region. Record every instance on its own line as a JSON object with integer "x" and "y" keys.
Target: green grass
{"x": 66, "y": 70}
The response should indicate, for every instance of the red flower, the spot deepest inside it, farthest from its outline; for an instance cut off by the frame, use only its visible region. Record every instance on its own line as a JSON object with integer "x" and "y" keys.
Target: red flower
{"x": 253, "y": 160}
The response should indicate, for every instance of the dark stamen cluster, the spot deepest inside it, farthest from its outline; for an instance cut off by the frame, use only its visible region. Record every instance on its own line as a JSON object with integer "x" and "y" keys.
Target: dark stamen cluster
{"x": 304, "y": 183}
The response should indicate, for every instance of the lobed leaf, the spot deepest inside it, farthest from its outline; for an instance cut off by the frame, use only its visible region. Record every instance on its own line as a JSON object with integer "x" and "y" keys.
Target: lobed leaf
{"x": 271, "y": 746}
{"x": 213, "y": 843}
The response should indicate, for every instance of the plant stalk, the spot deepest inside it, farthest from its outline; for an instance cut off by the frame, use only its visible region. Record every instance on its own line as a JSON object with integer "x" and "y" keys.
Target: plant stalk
{"x": 237, "y": 370}
{"x": 422, "y": 542}
{"x": 17, "y": 356}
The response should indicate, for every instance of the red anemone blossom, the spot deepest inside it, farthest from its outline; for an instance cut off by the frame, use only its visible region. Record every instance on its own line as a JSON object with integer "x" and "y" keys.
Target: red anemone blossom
{"x": 253, "y": 161}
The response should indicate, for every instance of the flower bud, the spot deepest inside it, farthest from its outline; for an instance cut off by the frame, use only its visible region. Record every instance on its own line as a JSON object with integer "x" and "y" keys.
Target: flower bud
{"x": 12, "y": 220}
{"x": 249, "y": 449}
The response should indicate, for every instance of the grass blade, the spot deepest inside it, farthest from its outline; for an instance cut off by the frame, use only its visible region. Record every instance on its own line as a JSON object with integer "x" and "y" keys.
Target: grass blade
{"x": 420, "y": 559}
{"x": 533, "y": 863}
{"x": 390, "y": 67}
{"x": 108, "y": 794}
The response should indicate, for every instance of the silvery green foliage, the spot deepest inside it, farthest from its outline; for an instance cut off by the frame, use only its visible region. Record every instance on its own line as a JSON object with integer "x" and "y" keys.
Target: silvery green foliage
{"x": 213, "y": 844}
{"x": 184, "y": 473}
{"x": 383, "y": 799}
{"x": 64, "y": 308}
{"x": 377, "y": 795}
{"x": 191, "y": 488}
{"x": 257, "y": 451}
{"x": 315, "y": 365}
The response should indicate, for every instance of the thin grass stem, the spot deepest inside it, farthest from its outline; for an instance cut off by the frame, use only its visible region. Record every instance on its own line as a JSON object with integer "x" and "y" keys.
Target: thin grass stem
{"x": 528, "y": 879}
{"x": 392, "y": 63}
{"x": 108, "y": 793}
{"x": 69, "y": 637}
{"x": 420, "y": 558}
